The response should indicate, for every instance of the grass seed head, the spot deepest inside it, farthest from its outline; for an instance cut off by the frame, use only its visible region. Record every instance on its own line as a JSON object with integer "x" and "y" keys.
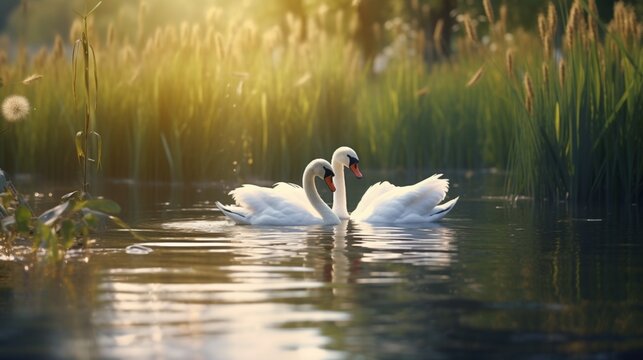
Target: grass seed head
{"x": 470, "y": 29}
{"x": 561, "y": 72}
{"x": 509, "y": 62}
{"x": 529, "y": 93}
{"x": 488, "y": 9}
{"x": 476, "y": 77}
{"x": 545, "y": 70}
{"x": 552, "y": 18}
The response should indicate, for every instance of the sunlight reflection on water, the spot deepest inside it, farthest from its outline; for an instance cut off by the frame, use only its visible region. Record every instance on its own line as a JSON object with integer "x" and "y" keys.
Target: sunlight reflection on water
{"x": 255, "y": 292}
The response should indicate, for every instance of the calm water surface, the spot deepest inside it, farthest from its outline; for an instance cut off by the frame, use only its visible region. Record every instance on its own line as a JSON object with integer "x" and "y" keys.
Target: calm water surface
{"x": 491, "y": 280}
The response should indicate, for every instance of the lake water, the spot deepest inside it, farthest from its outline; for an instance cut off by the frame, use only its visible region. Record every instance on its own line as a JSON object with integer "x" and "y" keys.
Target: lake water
{"x": 493, "y": 279}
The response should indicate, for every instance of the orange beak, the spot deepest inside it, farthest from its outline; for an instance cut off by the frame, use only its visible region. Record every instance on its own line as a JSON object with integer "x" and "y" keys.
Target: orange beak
{"x": 355, "y": 169}
{"x": 329, "y": 182}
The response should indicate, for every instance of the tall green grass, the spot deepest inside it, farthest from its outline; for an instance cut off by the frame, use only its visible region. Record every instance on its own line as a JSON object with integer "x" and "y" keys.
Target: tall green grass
{"x": 582, "y": 138}
{"x": 221, "y": 99}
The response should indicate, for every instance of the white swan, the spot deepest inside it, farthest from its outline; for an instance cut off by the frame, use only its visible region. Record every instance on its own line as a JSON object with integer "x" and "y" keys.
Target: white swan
{"x": 386, "y": 203}
{"x": 283, "y": 204}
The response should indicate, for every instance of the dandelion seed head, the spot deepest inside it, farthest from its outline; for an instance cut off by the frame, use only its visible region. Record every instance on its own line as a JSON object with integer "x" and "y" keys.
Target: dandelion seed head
{"x": 15, "y": 108}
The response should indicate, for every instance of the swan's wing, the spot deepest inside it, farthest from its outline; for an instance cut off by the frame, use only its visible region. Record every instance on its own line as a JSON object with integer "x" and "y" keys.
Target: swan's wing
{"x": 375, "y": 191}
{"x": 295, "y": 194}
{"x": 235, "y": 213}
{"x": 280, "y": 205}
{"x": 442, "y": 210}
{"x": 406, "y": 204}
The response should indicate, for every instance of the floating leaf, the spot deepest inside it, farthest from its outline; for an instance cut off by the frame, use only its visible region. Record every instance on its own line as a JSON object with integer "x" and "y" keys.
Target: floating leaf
{"x": 103, "y": 205}
{"x": 50, "y": 216}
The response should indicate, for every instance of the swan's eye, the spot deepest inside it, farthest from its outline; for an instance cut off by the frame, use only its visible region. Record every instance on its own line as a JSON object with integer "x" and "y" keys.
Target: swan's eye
{"x": 328, "y": 172}
{"x": 352, "y": 160}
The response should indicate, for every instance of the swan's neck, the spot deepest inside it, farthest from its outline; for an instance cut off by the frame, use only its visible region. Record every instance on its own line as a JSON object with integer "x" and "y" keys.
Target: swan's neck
{"x": 328, "y": 216}
{"x": 339, "y": 196}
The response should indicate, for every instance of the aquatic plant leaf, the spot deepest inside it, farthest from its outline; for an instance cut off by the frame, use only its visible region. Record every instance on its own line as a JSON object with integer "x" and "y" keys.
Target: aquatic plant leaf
{"x": 120, "y": 223}
{"x": 3, "y": 180}
{"x": 103, "y": 205}
{"x": 95, "y": 76}
{"x": 99, "y": 147}
{"x": 67, "y": 233}
{"x": 6, "y": 222}
{"x": 94, "y": 8}
{"x": 74, "y": 61}
{"x": 22, "y": 216}
{"x": 72, "y": 195}
{"x": 50, "y": 216}
{"x": 79, "y": 145}
{"x": 91, "y": 219}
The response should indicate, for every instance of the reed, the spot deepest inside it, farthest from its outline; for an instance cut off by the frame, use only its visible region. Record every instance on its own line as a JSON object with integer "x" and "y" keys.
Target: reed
{"x": 223, "y": 98}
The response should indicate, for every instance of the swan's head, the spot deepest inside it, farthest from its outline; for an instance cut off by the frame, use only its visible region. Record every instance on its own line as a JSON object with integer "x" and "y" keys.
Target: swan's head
{"x": 322, "y": 169}
{"x": 348, "y": 158}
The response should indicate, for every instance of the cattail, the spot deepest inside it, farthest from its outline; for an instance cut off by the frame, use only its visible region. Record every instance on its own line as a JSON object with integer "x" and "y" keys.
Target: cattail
{"x": 158, "y": 38}
{"x": 572, "y": 24}
{"x": 503, "y": 18}
{"x": 509, "y": 62}
{"x": 529, "y": 94}
{"x": 58, "y": 50}
{"x": 545, "y": 70}
{"x": 109, "y": 41}
{"x": 437, "y": 36}
{"x": 194, "y": 34}
{"x": 75, "y": 31}
{"x": 38, "y": 62}
{"x": 470, "y": 29}
{"x": 542, "y": 27}
{"x": 184, "y": 34}
{"x": 15, "y": 108}
{"x": 547, "y": 43}
{"x": 591, "y": 23}
{"x": 552, "y": 18}
{"x": 631, "y": 24}
{"x": 561, "y": 72}
{"x": 474, "y": 79}
{"x": 220, "y": 46}
{"x": 142, "y": 11}
{"x": 488, "y": 10}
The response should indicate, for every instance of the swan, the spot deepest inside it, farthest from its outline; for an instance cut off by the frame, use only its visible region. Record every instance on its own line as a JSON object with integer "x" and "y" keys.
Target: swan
{"x": 283, "y": 204}
{"x": 384, "y": 202}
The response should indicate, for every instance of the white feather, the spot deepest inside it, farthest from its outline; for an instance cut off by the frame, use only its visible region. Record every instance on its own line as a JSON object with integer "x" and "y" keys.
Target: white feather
{"x": 284, "y": 204}
{"x": 387, "y": 203}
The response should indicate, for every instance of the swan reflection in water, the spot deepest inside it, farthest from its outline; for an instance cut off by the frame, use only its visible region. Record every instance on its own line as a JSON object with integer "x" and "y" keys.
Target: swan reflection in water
{"x": 430, "y": 244}
{"x": 219, "y": 287}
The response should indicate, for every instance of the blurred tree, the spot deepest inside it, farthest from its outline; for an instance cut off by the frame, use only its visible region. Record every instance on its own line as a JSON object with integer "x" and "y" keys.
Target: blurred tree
{"x": 370, "y": 16}
{"x": 296, "y": 8}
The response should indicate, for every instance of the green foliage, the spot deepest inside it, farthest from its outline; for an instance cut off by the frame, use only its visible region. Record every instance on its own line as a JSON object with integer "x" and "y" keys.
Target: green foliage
{"x": 219, "y": 99}
{"x": 88, "y": 65}
{"x": 65, "y": 226}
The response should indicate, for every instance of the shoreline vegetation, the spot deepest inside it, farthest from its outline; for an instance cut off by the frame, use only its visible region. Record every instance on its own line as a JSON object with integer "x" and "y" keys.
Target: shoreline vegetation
{"x": 559, "y": 109}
